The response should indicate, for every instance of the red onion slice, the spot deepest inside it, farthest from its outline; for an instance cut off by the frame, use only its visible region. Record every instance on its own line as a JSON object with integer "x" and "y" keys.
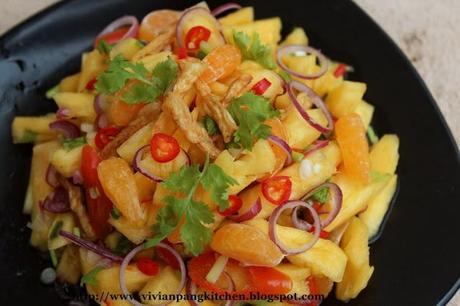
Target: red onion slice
{"x": 100, "y": 104}
{"x": 77, "y": 178}
{"x": 67, "y": 128}
{"x": 63, "y": 113}
{"x": 51, "y": 176}
{"x": 250, "y": 214}
{"x": 336, "y": 203}
{"x": 96, "y": 248}
{"x": 273, "y": 222}
{"x": 137, "y": 165}
{"x": 57, "y": 202}
{"x": 316, "y": 100}
{"x": 101, "y": 121}
{"x": 284, "y": 146}
{"x": 323, "y": 61}
{"x": 130, "y": 256}
{"x": 225, "y": 7}
{"x": 125, "y": 21}
{"x": 315, "y": 146}
{"x": 189, "y": 13}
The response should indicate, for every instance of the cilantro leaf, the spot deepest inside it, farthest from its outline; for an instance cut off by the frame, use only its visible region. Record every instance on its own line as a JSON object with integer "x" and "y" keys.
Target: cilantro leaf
{"x": 164, "y": 74}
{"x": 28, "y": 136}
{"x": 141, "y": 92}
{"x": 195, "y": 215}
{"x": 253, "y": 49}
{"x": 90, "y": 277}
{"x": 211, "y": 126}
{"x": 217, "y": 181}
{"x": 250, "y": 111}
{"x": 321, "y": 195}
{"x": 72, "y": 143}
{"x": 104, "y": 47}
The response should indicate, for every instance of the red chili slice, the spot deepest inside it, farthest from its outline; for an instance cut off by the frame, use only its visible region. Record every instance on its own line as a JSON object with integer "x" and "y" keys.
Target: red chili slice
{"x": 277, "y": 189}
{"x": 195, "y": 36}
{"x": 148, "y": 266}
{"x": 105, "y": 135}
{"x": 235, "y": 205}
{"x": 90, "y": 84}
{"x": 181, "y": 53}
{"x": 261, "y": 87}
{"x": 112, "y": 37}
{"x": 340, "y": 70}
{"x": 164, "y": 148}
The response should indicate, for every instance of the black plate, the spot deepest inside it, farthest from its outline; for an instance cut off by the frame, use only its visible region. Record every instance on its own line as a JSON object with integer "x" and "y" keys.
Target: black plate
{"x": 417, "y": 256}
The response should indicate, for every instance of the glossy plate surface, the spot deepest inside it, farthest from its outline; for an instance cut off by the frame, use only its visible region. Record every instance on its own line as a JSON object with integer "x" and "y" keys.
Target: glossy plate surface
{"x": 417, "y": 256}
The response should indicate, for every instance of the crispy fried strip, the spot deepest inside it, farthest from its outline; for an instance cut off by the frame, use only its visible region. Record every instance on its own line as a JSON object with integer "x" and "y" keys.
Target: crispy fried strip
{"x": 180, "y": 112}
{"x": 213, "y": 107}
{"x": 147, "y": 114}
{"x": 156, "y": 45}
{"x": 76, "y": 205}
{"x": 236, "y": 88}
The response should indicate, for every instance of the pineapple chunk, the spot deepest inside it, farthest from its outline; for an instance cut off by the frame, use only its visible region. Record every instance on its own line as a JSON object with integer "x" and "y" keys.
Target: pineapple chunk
{"x": 165, "y": 282}
{"x": 29, "y": 200}
{"x": 269, "y": 30}
{"x": 344, "y": 99}
{"x": 296, "y": 37}
{"x": 298, "y": 276}
{"x": 127, "y": 48}
{"x": 68, "y": 269}
{"x": 80, "y": 105}
{"x": 365, "y": 111}
{"x": 41, "y": 224}
{"x": 70, "y": 83}
{"x": 150, "y": 61}
{"x": 358, "y": 272}
{"x": 378, "y": 205}
{"x": 276, "y": 87}
{"x": 300, "y": 133}
{"x": 128, "y": 149}
{"x": 67, "y": 162}
{"x": 92, "y": 64}
{"x": 356, "y": 201}
{"x": 324, "y": 258}
{"x": 384, "y": 154}
{"x": 136, "y": 233}
{"x": 65, "y": 222}
{"x": 242, "y": 16}
{"x": 327, "y": 159}
{"x": 164, "y": 169}
{"x": 32, "y": 129}
{"x": 108, "y": 279}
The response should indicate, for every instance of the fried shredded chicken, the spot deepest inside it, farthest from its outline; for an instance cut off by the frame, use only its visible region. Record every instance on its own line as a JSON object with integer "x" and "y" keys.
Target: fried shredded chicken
{"x": 147, "y": 114}
{"x": 214, "y": 108}
{"x": 236, "y": 88}
{"x": 76, "y": 205}
{"x": 174, "y": 104}
{"x": 158, "y": 44}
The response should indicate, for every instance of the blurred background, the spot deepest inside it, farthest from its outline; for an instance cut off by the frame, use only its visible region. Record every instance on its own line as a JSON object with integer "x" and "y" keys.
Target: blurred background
{"x": 428, "y": 31}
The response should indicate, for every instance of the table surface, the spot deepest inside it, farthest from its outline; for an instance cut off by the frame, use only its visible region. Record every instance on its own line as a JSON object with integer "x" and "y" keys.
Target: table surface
{"x": 426, "y": 30}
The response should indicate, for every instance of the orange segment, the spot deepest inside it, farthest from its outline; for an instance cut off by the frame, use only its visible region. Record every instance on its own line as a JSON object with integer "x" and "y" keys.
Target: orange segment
{"x": 351, "y": 137}
{"x": 246, "y": 244}
{"x": 157, "y": 22}
{"x": 121, "y": 113}
{"x": 119, "y": 184}
{"x": 222, "y": 62}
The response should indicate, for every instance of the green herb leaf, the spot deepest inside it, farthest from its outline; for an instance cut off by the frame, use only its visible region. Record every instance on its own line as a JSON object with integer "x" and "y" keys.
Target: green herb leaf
{"x": 104, "y": 47}
{"x": 297, "y": 157}
{"x": 253, "y": 49}
{"x": 55, "y": 230}
{"x": 124, "y": 245}
{"x": 250, "y": 111}
{"x": 54, "y": 259}
{"x": 196, "y": 215}
{"x": 373, "y": 138}
{"x": 90, "y": 277}
{"x": 52, "y": 91}
{"x": 211, "y": 126}
{"x": 321, "y": 195}
{"x": 28, "y": 136}
{"x": 115, "y": 213}
{"x": 72, "y": 143}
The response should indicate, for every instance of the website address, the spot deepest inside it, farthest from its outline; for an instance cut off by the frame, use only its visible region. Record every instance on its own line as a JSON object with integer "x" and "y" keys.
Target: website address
{"x": 205, "y": 296}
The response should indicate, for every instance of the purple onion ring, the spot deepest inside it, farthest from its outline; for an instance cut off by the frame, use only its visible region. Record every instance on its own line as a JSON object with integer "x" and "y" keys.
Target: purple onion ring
{"x": 324, "y": 63}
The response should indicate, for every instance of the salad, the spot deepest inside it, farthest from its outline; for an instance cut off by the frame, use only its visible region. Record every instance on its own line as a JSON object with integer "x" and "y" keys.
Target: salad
{"x": 198, "y": 154}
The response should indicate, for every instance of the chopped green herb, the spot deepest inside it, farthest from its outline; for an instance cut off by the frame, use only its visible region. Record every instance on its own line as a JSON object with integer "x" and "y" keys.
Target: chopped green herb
{"x": 285, "y": 76}
{"x": 373, "y": 138}
{"x": 205, "y": 47}
{"x": 72, "y": 143}
{"x": 321, "y": 195}
{"x": 253, "y": 49}
{"x": 54, "y": 259}
{"x": 90, "y": 277}
{"x": 211, "y": 126}
{"x": 297, "y": 157}
{"x": 104, "y": 47}
{"x": 124, "y": 245}
{"x": 55, "y": 230}
{"x": 194, "y": 233}
{"x": 201, "y": 54}
{"x": 115, "y": 213}
{"x": 52, "y": 91}
{"x": 250, "y": 112}
{"x": 147, "y": 89}
{"x": 28, "y": 136}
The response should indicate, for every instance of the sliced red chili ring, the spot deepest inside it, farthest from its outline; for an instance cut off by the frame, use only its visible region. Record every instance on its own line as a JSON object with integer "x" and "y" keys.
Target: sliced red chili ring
{"x": 277, "y": 189}
{"x": 164, "y": 148}
{"x": 90, "y": 84}
{"x": 181, "y": 53}
{"x": 261, "y": 87}
{"x": 148, "y": 266}
{"x": 340, "y": 70}
{"x": 195, "y": 36}
{"x": 235, "y": 205}
{"x": 105, "y": 135}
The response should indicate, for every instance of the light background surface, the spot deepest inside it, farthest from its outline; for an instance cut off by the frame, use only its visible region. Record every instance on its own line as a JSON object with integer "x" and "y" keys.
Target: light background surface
{"x": 428, "y": 31}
